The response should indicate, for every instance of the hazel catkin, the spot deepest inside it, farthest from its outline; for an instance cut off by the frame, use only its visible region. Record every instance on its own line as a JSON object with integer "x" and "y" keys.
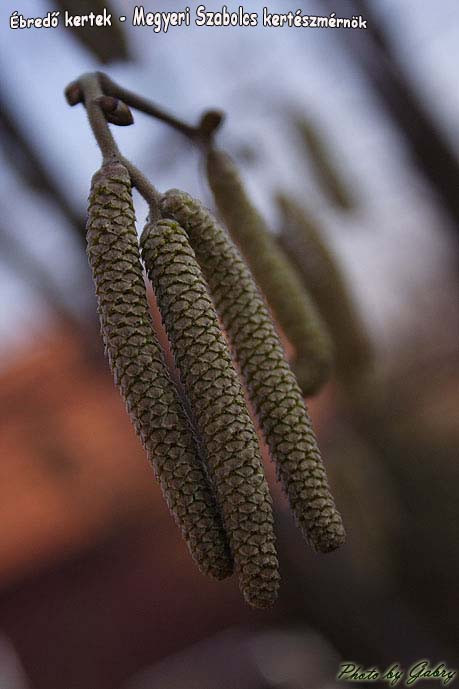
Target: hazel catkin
{"x": 277, "y": 277}
{"x": 271, "y": 385}
{"x": 220, "y": 413}
{"x": 137, "y": 363}
{"x": 303, "y": 241}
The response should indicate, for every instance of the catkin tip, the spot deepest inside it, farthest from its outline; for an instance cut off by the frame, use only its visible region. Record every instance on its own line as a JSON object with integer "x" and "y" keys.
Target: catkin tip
{"x": 330, "y": 538}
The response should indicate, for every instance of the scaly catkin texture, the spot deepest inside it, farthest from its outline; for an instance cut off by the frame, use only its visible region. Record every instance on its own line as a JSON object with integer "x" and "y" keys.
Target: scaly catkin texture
{"x": 137, "y": 363}
{"x": 303, "y": 242}
{"x": 219, "y": 410}
{"x": 271, "y": 385}
{"x": 276, "y": 276}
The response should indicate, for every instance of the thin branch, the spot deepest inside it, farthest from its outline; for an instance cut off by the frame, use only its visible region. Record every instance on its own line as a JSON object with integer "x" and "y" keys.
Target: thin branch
{"x": 91, "y": 92}
{"x": 146, "y": 106}
{"x": 200, "y": 133}
{"x": 30, "y": 166}
{"x": 430, "y": 149}
{"x": 143, "y": 186}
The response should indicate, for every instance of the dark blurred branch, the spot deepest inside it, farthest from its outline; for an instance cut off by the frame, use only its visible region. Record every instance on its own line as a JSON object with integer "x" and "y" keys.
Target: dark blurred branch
{"x": 331, "y": 182}
{"x": 25, "y": 159}
{"x": 372, "y": 50}
{"x": 33, "y": 173}
{"x": 369, "y": 622}
{"x": 107, "y": 43}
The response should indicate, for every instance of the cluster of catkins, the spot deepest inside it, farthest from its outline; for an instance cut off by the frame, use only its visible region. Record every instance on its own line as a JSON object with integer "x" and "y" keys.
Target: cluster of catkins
{"x": 199, "y": 435}
{"x": 280, "y": 282}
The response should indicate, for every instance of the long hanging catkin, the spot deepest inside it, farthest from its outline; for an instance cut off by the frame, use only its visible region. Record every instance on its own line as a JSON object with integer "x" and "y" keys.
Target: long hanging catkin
{"x": 136, "y": 360}
{"x": 303, "y": 242}
{"x": 277, "y": 277}
{"x": 272, "y": 387}
{"x": 219, "y": 410}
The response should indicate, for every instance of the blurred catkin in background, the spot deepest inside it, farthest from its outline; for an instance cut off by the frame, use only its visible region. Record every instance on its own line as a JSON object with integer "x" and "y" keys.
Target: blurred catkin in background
{"x": 320, "y": 157}
{"x": 276, "y": 276}
{"x": 304, "y": 243}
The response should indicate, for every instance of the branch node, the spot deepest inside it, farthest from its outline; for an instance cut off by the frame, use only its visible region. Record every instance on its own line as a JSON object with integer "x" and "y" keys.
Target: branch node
{"x": 210, "y": 121}
{"x": 73, "y": 93}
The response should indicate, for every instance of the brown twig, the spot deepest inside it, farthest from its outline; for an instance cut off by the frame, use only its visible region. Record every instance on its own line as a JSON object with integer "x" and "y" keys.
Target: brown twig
{"x": 88, "y": 88}
{"x": 200, "y": 133}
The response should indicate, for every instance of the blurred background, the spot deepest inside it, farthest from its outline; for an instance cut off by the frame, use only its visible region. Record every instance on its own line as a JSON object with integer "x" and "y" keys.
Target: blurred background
{"x": 358, "y": 129}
